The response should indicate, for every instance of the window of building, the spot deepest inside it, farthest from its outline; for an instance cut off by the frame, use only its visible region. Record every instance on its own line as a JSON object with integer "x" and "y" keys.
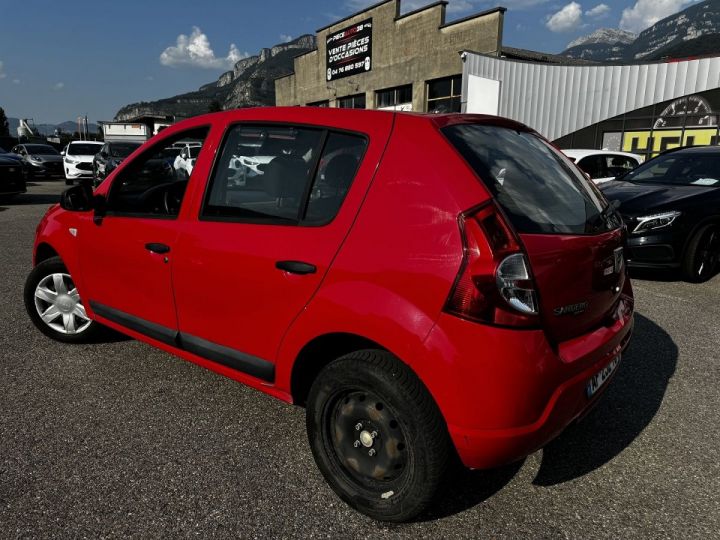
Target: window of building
{"x": 444, "y": 95}
{"x": 392, "y": 98}
{"x": 324, "y": 103}
{"x": 352, "y": 102}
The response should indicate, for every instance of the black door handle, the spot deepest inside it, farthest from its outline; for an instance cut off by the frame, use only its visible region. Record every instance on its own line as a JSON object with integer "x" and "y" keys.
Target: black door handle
{"x": 157, "y": 248}
{"x": 296, "y": 267}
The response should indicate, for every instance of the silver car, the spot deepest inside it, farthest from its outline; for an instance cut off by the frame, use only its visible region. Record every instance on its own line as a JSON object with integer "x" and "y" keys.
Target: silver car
{"x": 42, "y": 160}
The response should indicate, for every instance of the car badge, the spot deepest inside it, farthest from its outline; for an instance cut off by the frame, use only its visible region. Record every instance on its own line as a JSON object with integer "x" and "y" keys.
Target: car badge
{"x": 73, "y": 231}
{"x": 572, "y": 309}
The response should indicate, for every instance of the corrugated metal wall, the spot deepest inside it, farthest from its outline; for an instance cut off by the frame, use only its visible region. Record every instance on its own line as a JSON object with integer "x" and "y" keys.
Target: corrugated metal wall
{"x": 558, "y": 100}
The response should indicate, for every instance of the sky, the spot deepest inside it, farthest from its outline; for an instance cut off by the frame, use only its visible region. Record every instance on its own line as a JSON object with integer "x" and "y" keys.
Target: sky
{"x": 61, "y": 60}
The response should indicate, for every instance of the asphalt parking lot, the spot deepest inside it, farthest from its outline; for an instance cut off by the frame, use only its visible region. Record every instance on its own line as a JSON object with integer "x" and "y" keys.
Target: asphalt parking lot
{"x": 121, "y": 440}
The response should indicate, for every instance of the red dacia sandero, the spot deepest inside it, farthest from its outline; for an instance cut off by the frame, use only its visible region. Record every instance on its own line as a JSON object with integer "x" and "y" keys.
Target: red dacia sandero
{"x": 427, "y": 286}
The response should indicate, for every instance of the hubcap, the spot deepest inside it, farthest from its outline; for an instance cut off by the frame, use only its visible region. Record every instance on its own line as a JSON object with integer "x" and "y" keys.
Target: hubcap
{"x": 58, "y": 303}
{"x": 367, "y": 439}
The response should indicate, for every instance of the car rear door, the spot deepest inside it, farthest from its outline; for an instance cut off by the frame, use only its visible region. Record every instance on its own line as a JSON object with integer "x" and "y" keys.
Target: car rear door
{"x": 263, "y": 241}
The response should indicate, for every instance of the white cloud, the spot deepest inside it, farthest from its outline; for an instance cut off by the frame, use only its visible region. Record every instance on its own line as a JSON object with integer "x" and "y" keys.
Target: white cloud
{"x": 196, "y": 51}
{"x": 2, "y": 73}
{"x": 16, "y": 81}
{"x": 285, "y": 38}
{"x": 598, "y": 11}
{"x": 645, "y": 13}
{"x": 568, "y": 18}
{"x": 59, "y": 86}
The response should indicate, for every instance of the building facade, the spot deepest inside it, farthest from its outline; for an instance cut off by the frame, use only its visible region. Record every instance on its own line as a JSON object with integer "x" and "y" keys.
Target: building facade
{"x": 642, "y": 108}
{"x": 380, "y": 58}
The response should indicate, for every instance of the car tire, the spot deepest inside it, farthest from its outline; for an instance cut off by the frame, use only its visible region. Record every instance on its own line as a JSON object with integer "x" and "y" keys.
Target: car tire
{"x": 702, "y": 256}
{"x": 49, "y": 285}
{"x": 368, "y": 397}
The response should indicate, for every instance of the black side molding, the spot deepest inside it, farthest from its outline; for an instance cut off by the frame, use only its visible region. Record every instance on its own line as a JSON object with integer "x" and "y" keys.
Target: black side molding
{"x": 252, "y": 365}
{"x": 150, "y": 329}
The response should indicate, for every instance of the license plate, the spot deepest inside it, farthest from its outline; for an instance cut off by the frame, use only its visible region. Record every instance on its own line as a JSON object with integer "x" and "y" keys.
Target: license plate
{"x": 597, "y": 380}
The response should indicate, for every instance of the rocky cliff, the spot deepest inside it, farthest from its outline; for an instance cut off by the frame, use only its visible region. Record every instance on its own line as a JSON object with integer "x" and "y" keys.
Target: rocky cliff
{"x": 666, "y": 38}
{"x": 249, "y": 84}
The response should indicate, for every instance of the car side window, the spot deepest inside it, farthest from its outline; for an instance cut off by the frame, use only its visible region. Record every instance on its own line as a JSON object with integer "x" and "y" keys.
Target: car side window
{"x": 617, "y": 165}
{"x": 593, "y": 165}
{"x": 282, "y": 175}
{"x": 150, "y": 186}
{"x": 263, "y": 173}
{"x": 339, "y": 163}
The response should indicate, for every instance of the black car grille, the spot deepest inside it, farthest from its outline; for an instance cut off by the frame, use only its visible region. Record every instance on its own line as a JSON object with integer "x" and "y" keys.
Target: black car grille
{"x": 84, "y": 166}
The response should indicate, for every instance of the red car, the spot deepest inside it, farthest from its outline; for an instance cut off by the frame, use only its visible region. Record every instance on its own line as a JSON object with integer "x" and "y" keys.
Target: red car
{"x": 425, "y": 285}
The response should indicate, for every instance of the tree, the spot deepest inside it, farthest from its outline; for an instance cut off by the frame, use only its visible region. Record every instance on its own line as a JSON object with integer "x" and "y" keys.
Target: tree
{"x": 4, "y": 125}
{"x": 215, "y": 106}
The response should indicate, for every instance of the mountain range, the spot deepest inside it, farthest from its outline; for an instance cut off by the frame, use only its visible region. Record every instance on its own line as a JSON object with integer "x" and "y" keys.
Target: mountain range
{"x": 676, "y": 36}
{"x": 49, "y": 129}
{"x": 250, "y": 83}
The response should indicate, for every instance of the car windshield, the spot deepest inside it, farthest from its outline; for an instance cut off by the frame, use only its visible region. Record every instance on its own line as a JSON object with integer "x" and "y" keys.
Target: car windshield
{"x": 83, "y": 149}
{"x": 680, "y": 169}
{"x": 41, "y": 149}
{"x": 123, "y": 150}
{"x": 535, "y": 185}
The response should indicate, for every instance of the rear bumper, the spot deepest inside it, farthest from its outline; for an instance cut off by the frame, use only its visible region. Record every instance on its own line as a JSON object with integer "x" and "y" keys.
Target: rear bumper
{"x": 508, "y": 403}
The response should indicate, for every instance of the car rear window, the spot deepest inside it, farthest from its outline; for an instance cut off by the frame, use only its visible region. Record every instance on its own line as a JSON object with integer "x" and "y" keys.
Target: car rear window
{"x": 539, "y": 189}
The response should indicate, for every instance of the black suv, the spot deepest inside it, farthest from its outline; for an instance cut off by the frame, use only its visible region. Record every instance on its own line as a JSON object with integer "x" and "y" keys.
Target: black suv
{"x": 110, "y": 156}
{"x": 671, "y": 206}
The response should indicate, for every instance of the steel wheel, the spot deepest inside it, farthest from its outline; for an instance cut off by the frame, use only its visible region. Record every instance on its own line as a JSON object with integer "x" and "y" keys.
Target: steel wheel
{"x": 377, "y": 435}
{"x": 367, "y": 440}
{"x": 58, "y": 304}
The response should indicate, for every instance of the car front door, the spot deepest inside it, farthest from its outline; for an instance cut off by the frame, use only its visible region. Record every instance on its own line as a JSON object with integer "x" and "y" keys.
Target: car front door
{"x": 126, "y": 253}
{"x": 264, "y": 240}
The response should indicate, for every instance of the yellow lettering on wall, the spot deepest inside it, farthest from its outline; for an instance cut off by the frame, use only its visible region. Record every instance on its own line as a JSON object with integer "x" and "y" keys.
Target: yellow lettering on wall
{"x": 654, "y": 142}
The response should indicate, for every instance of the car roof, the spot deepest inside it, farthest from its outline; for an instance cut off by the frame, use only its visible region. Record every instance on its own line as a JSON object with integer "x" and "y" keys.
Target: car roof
{"x": 87, "y": 142}
{"x": 579, "y": 153}
{"x": 694, "y": 150}
{"x": 322, "y": 115}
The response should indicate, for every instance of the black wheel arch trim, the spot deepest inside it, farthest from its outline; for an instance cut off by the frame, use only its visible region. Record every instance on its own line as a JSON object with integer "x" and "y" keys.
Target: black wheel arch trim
{"x": 226, "y": 356}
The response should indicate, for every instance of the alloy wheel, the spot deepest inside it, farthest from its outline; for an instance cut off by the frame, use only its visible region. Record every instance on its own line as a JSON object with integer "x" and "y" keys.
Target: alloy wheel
{"x": 708, "y": 254}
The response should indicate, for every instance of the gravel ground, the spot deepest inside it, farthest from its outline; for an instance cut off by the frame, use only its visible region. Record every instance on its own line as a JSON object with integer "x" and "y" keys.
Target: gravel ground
{"x": 121, "y": 440}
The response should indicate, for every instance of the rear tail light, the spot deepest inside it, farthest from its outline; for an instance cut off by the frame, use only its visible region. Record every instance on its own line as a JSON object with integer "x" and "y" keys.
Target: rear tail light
{"x": 494, "y": 285}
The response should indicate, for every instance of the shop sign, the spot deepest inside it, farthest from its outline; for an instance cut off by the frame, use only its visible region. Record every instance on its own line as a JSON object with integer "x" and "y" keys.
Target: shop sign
{"x": 349, "y": 51}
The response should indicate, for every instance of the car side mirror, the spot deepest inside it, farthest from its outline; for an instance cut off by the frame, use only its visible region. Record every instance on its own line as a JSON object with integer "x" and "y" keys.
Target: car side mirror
{"x": 62, "y": 153}
{"x": 76, "y": 199}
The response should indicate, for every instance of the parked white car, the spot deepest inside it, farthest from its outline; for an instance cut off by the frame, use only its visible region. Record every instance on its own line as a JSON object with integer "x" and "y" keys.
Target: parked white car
{"x": 185, "y": 162}
{"x": 78, "y": 159}
{"x": 604, "y": 165}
